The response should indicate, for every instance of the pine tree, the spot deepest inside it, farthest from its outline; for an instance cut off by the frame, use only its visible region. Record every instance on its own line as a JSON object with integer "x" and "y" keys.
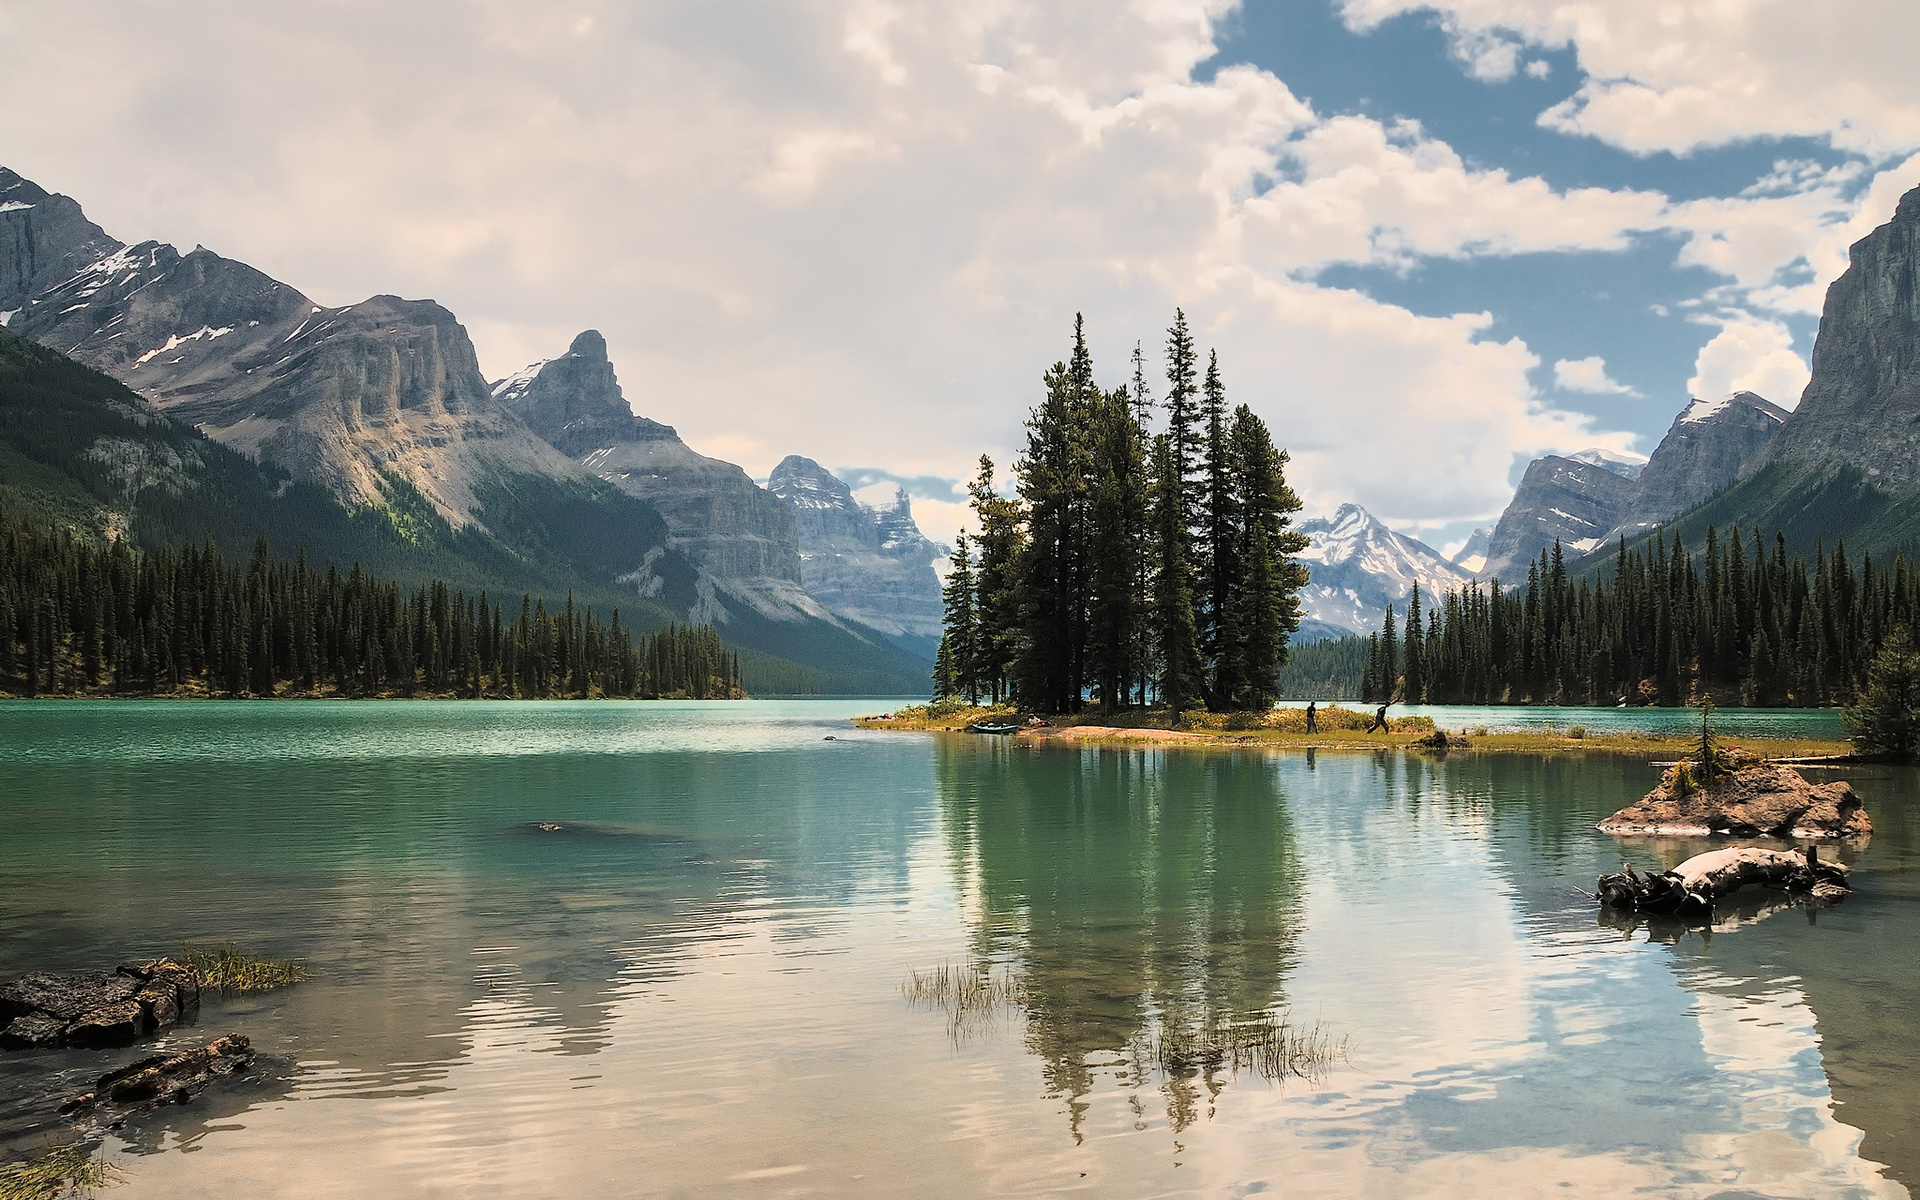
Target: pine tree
{"x": 1886, "y": 720}
{"x": 1415, "y": 651}
{"x": 1178, "y": 639}
{"x": 960, "y": 627}
{"x": 1219, "y": 567}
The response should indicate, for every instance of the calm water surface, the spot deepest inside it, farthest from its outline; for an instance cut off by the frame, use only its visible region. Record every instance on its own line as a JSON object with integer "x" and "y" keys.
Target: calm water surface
{"x": 696, "y": 992}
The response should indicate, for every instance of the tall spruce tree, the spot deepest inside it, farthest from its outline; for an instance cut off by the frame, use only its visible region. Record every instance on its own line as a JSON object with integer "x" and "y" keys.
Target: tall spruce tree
{"x": 997, "y": 591}
{"x": 1178, "y": 639}
{"x": 1219, "y": 546}
{"x": 1263, "y": 604}
{"x": 960, "y": 628}
{"x": 1413, "y": 651}
{"x": 1116, "y": 549}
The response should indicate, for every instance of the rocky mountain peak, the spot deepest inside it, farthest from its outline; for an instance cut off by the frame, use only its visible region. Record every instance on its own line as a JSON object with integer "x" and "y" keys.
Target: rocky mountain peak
{"x": 1358, "y": 566}
{"x": 1909, "y": 207}
{"x": 1626, "y": 466}
{"x": 575, "y": 401}
{"x": 862, "y": 554}
{"x": 1861, "y": 409}
{"x": 44, "y": 239}
{"x": 1560, "y": 500}
{"x": 812, "y": 489}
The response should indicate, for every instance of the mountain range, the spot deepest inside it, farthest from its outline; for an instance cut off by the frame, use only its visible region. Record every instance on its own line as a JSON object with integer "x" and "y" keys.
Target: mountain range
{"x": 189, "y": 396}
{"x": 376, "y": 415}
{"x": 1357, "y": 566}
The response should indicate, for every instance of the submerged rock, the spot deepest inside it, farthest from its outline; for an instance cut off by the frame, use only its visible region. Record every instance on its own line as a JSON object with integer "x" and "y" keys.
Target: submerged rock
{"x": 43, "y": 1010}
{"x": 168, "y": 1078}
{"x": 1751, "y": 799}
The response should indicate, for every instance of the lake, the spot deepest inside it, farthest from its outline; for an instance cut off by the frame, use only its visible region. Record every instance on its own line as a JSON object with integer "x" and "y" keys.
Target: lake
{"x": 693, "y": 988}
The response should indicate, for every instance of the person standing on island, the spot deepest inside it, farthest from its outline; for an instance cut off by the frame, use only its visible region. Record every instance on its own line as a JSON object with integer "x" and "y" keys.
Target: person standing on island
{"x": 1380, "y": 719}
{"x": 1313, "y": 718}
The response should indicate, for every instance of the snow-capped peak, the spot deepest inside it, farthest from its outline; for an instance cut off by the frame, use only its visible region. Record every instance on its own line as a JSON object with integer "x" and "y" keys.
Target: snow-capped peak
{"x": 1623, "y": 463}
{"x": 1702, "y": 410}
{"x": 514, "y": 385}
{"x": 1358, "y": 566}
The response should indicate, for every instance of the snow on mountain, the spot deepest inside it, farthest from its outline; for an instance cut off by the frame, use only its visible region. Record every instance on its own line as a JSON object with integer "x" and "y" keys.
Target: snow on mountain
{"x": 861, "y": 552}
{"x": 1357, "y": 566}
{"x": 1620, "y": 462}
{"x": 1473, "y": 556}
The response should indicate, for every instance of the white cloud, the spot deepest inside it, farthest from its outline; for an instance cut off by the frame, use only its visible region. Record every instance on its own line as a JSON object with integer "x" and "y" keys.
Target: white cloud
{"x": 852, "y": 229}
{"x": 1588, "y": 375}
{"x": 1749, "y": 354}
{"x": 1679, "y": 77}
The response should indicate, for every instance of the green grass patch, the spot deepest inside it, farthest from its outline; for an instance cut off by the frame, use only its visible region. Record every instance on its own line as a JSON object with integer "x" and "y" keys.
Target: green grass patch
{"x": 229, "y": 970}
{"x": 68, "y": 1169}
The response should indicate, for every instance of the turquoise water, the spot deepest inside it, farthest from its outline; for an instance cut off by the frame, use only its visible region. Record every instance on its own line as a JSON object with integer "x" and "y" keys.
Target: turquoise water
{"x": 1733, "y": 722}
{"x": 693, "y": 988}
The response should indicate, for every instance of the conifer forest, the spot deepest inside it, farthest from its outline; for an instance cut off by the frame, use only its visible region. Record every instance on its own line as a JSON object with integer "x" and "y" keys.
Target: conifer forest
{"x": 1134, "y": 565}
{"x": 1743, "y": 622}
{"x": 78, "y": 617}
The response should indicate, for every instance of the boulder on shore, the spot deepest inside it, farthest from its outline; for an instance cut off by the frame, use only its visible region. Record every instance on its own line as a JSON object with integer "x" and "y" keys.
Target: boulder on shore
{"x": 1747, "y": 798}
{"x": 168, "y": 1078}
{"x": 45, "y": 1011}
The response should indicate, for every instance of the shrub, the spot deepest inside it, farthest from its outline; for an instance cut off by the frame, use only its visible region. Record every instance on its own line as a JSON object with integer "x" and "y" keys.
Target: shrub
{"x": 1576, "y": 732}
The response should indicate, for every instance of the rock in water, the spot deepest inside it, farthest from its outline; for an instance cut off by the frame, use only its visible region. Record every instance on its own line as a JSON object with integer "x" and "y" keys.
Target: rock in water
{"x": 42, "y": 1010}
{"x": 1691, "y": 888}
{"x": 168, "y": 1078}
{"x": 1752, "y": 799}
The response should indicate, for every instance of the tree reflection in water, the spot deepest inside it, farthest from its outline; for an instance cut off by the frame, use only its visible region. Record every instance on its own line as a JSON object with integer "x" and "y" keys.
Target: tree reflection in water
{"x": 1143, "y": 899}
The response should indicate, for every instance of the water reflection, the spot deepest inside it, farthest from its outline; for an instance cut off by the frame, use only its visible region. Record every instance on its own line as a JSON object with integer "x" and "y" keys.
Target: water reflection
{"x": 692, "y": 983}
{"x": 1138, "y": 893}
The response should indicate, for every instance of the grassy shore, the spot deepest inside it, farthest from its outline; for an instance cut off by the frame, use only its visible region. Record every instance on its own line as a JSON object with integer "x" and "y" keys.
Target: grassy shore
{"x": 1340, "y": 729}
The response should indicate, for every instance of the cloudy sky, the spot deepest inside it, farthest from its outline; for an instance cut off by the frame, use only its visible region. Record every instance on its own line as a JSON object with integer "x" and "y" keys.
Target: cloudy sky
{"x": 1429, "y": 241}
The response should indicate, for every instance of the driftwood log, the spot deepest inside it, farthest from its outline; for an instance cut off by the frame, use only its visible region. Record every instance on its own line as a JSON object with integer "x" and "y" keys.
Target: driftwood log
{"x": 1690, "y": 889}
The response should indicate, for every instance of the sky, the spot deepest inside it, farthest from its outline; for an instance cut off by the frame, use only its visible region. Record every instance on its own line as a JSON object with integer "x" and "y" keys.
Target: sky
{"x": 1428, "y": 241}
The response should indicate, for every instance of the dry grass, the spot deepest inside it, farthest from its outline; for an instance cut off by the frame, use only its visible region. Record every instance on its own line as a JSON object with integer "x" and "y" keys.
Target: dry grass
{"x": 68, "y": 1169}
{"x": 1267, "y": 1043}
{"x": 230, "y": 970}
{"x": 970, "y": 996}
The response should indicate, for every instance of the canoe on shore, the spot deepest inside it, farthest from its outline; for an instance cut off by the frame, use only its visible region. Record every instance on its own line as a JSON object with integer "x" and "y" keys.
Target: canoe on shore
{"x": 1000, "y": 727}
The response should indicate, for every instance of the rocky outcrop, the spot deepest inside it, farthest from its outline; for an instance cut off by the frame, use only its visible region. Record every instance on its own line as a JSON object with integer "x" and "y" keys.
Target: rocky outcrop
{"x": 1690, "y": 889}
{"x": 167, "y": 1078}
{"x": 719, "y": 518}
{"x": 1559, "y": 500}
{"x": 1710, "y": 446}
{"x": 44, "y": 239}
{"x": 1357, "y": 566}
{"x": 44, "y": 1011}
{"x": 1861, "y": 409}
{"x": 1751, "y": 799}
{"x": 868, "y": 563}
{"x": 575, "y": 402}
